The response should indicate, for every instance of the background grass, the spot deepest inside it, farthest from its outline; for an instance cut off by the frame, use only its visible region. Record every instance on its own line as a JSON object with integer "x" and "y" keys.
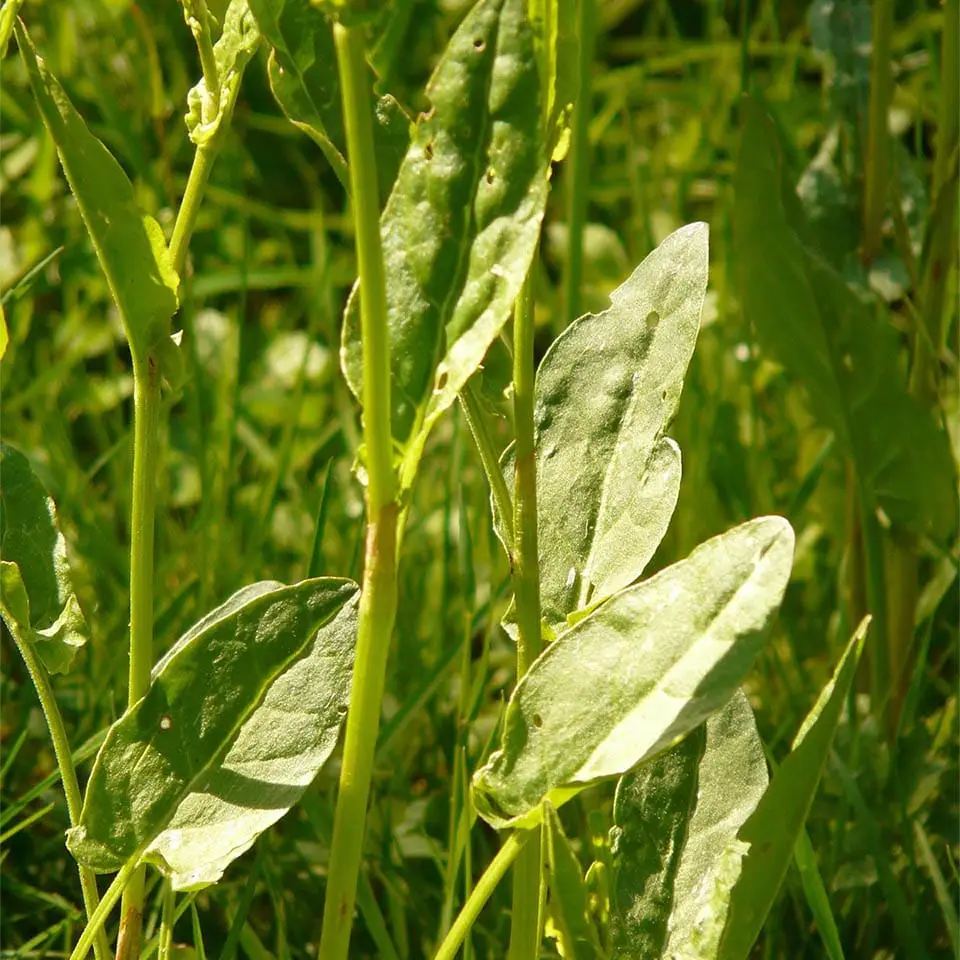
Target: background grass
{"x": 256, "y": 480}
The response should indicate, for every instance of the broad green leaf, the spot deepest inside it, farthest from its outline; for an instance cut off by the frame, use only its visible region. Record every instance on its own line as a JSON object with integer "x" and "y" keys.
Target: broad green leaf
{"x": 772, "y": 830}
{"x": 607, "y": 477}
{"x": 674, "y": 842}
{"x": 129, "y": 245}
{"x": 36, "y": 597}
{"x": 240, "y": 715}
{"x": 569, "y": 904}
{"x": 462, "y": 223}
{"x": 209, "y": 111}
{"x": 638, "y": 674}
{"x": 303, "y": 77}
{"x": 830, "y": 340}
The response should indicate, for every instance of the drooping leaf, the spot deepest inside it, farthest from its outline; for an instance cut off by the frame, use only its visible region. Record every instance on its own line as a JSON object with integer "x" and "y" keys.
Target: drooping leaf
{"x": 303, "y": 77}
{"x": 461, "y": 226}
{"x": 240, "y": 715}
{"x": 637, "y": 674}
{"x": 209, "y": 111}
{"x": 608, "y": 387}
{"x": 569, "y": 903}
{"x": 129, "y": 245}
{"x": 36, "y": 597}
{"x": 674, "y": 842}
{"x": 829, "y": 339}
{"x": 773, "y": 828}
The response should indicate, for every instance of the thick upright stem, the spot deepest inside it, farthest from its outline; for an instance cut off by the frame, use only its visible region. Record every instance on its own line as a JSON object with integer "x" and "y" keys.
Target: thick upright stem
{"x": 190, "y": 205}
{"x": 378, "y": 602}
{"x": 68, "y": 775}
{"x": 146, "y": 424}
{"x": 878, "y": 140}
{"x": 525, "y": 927}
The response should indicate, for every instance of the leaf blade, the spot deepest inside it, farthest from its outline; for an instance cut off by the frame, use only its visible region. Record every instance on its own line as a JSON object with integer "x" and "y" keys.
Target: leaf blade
{"x": 206, "y": 743}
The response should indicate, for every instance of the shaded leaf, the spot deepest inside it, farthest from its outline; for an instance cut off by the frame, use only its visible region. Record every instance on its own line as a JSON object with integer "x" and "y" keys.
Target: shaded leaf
{"x": 607, "y": 477}
{"x": 240, "y": 715}
{"x": 36, "y": 597}
{"x": 129, "y": 245}
{"x": 569, "y": 904}
{"x": 461, "y": 226}
{"x": 674, "y": 842}
{"x": 302, "y": 70}
{"x": 638, "y": 674}
{"x": 772, "y": 830}
{"x": 829, "y": 339}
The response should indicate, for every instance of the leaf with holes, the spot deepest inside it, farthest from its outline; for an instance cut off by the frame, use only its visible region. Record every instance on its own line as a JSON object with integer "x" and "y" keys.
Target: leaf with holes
{"x": 638, "y": 674}
{"x": 129, "y": 245}
{"x": 676, "y": 855}
{"x": 36, "y": 597}
{"x": 462, "y": 223}
{"x": 240, "y": 716}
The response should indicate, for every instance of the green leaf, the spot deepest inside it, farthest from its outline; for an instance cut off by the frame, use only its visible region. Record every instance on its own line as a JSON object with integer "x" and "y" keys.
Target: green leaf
{"x": 607, "y": 477}
{"x": 569, "y": 904}
{"x": 638, "y": 674}
{"x": 675, "y": 850}
{"x": 36, "y": 597}
{"x": 209, "y": 111}
{"x": 302, "y": 70}
{"x": 830, "y": 340}
{"x": 773, "y": 828}
{"x": 240, "y": 715}
{"x": 462, "y": 224}
{"x": 129, "y": 245}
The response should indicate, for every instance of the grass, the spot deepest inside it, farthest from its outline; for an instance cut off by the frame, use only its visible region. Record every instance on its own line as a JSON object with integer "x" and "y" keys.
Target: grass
{"x": 260, "y": 443}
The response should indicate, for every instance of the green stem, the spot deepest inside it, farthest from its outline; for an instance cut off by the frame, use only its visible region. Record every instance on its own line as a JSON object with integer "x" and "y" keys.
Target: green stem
{"x": 876, "y": 602}
{"x": 167, "y": 921}
{"x": 578, "y": 173}
{"x": 878, "y": 146}
{"x": 68, "y": 773}
{"x": 95, "y": 924}
{"x": 378, "y": 600}
{"x": 477, "y": 422}
{"x": 482, "y": 891}
{"x": 146, "y": 427}
{"x": 190, "y": 205}
{"x": 525, "y": 926}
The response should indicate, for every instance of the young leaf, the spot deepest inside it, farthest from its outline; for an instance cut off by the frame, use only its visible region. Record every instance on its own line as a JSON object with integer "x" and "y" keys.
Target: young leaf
{"x": 129, "y": 245}
{"x": 303, "y": 77}
{"x": 607, "y": 477}
{"x": 675, "y": 850}
{"x": 773, "y": 828}
{"x": 821, "y": 331}
{"x": 569, "y": 905}
{"x": 209, "y": 111}
{"x": 638, "y": 674}
{"x": 461, "y": 226}
{"x": 36, "y": 597}
{"x": 240, "y": 715}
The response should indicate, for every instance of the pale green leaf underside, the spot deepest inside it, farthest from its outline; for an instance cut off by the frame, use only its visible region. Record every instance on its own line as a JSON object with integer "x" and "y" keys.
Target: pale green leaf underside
{"x": 36, "y": 596}
{"x": 773, "y": 828}
{"x": 832, "y": 342}
{"x": 239, "y": 717}
{"x": 675, "y": 849}
{"x": 608, "y": 387}
{"x": 637, "y": 674}
{"x": 462, "y": 223}
{"x": 129, "y": 245}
